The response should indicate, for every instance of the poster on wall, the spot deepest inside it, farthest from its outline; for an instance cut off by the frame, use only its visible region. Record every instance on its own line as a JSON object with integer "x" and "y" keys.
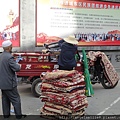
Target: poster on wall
{"x": 92, "y": 22}
{"x": 9, "y": 21}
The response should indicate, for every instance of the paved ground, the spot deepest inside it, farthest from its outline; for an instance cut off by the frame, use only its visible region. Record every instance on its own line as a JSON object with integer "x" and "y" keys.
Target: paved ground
{"x": 104, "y": 101}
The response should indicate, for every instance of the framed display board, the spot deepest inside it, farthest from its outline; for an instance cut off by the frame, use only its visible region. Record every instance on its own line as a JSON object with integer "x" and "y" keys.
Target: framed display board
{"x": 10, "y": 21}
{"x": 92, "y": 22}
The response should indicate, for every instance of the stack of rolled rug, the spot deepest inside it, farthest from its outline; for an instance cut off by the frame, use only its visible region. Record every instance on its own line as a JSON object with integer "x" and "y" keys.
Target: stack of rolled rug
{"x": 63, "y": 93}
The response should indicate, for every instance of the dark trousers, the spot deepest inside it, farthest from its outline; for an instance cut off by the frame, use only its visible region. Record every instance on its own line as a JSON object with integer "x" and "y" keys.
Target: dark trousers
{"x": 65, "y": 68}
{"x": 8, "y": 97}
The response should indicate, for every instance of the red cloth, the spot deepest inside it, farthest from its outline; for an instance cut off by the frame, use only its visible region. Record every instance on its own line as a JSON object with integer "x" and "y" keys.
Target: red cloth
{"x": 63, "y": 92}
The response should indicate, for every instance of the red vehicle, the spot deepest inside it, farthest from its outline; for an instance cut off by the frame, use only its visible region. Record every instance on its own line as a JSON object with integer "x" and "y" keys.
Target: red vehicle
{"x": 33, "y": 64}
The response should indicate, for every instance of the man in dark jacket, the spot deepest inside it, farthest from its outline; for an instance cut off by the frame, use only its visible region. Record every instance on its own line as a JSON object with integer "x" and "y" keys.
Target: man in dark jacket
{"x": 8, "y": 82}
{"x": 66, "y": 60}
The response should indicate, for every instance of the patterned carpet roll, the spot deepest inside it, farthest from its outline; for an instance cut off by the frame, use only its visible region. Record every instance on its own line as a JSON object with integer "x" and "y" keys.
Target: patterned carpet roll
{"x": 63, "y": 99}
{"x": 59, "y": 109}
{"x": 67, "y": 83}
{"x": 74, "y": 93}
{"x": 43, "y": 90}
{"x": 109, "y": 71}
{"x": 51, "y": 112}
{"x": 74, "y": 78}
{"x": 59, "y": 74}
{"x": 73, "y": 106}
{"x": 81, "y": 85}
{"x": 63, "y": 93}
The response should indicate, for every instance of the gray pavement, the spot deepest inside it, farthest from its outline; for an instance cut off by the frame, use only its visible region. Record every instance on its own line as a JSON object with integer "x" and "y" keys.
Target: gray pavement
{"x": 104, "y": 101}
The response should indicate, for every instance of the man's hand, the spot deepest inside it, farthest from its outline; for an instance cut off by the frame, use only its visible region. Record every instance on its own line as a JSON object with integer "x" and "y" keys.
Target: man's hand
{"x": 19, "y": 65}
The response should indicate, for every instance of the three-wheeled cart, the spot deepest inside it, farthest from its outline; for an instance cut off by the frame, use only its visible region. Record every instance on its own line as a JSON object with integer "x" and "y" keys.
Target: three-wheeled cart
{"x": 36, "y": 63}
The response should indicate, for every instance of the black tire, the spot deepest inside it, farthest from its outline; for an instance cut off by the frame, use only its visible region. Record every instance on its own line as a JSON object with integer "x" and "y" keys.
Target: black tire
{"x": 36, "y": 87}
{"x": 106, "y": 84}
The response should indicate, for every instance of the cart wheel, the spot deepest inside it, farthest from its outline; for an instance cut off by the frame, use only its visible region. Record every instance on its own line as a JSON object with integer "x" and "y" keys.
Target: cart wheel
{"x": 106, "y": 84}
{"x": 36, "y": 87}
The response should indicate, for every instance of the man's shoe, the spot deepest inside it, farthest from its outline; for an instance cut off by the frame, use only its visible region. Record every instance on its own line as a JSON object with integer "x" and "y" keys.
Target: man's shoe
{"x": 6, "y": 116}
{"x": 21, "y": 116}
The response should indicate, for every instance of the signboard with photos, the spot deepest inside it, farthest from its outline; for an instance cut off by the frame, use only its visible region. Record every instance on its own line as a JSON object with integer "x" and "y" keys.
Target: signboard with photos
{"x": 92, "y": 22}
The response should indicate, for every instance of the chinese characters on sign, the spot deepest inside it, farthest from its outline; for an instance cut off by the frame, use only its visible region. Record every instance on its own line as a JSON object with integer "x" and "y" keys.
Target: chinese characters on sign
{"x": 87, "y": 4}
